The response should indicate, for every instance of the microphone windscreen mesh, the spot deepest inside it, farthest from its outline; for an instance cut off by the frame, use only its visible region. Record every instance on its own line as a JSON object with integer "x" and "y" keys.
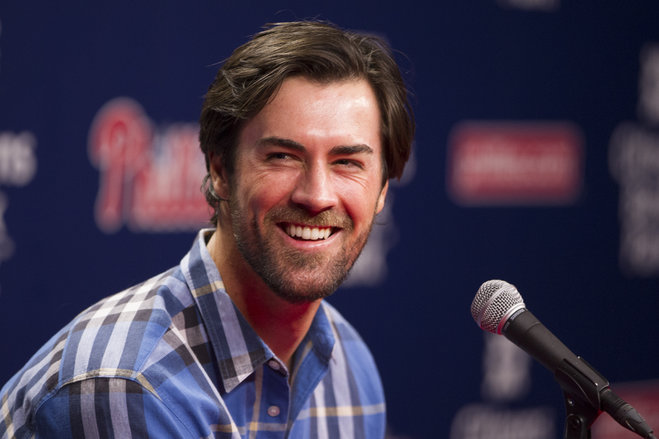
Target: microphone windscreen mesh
{"x": 494, "y": 301}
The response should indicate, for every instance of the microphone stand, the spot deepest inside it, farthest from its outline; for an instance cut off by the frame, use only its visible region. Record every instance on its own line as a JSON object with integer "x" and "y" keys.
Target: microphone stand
{"x": 579, "y": 418}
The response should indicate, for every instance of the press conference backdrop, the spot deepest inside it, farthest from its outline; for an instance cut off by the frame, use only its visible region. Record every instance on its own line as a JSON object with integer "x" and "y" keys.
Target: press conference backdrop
{"x": 536, "y": 161}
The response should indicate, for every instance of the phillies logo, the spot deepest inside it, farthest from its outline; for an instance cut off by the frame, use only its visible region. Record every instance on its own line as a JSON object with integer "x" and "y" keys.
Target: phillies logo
{"x": 149, "y": 179}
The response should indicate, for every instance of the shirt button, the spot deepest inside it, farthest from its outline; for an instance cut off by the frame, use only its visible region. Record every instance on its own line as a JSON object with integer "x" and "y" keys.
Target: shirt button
{"x": 274, "y": 364}
{"x": 273, "y": 411}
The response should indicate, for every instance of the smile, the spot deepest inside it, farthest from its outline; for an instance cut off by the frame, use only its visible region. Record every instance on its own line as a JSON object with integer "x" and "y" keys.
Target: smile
{"x": 307, "y": 233}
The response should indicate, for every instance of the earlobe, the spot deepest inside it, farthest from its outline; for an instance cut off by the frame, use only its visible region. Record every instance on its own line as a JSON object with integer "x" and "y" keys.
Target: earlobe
{"x": 382, "y": 198}
{"x": 218, "y": 175}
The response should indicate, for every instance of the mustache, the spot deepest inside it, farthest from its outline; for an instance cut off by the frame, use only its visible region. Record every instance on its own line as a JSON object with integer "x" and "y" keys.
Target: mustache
{"x": 326, "y": 218}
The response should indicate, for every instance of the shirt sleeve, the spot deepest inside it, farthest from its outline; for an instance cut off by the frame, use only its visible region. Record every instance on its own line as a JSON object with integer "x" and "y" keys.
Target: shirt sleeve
{"x": 107, "y": 408}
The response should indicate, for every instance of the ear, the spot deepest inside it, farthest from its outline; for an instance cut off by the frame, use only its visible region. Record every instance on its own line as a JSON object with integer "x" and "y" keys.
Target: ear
{"x": 219, "y": 178}
{"x": 382, "y": 198}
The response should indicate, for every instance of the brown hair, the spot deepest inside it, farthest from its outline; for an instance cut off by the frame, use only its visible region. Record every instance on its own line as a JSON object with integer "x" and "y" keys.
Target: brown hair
{"x": 316, "y": 50}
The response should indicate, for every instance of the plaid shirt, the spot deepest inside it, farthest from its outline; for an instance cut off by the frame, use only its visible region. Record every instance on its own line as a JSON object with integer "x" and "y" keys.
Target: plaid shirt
{"x": 174, "y": 358}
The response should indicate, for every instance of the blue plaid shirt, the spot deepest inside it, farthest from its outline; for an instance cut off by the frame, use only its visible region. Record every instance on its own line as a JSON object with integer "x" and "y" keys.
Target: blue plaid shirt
{"x": 174, "y": 358}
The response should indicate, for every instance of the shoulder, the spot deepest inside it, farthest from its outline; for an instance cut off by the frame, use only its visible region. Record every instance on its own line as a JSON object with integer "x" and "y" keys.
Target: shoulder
{"x": 111, "y": 339}
{"x": 116, "y": 335}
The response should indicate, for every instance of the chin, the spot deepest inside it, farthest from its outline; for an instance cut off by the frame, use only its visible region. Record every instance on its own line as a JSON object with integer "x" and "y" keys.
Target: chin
{"x": 298, "y": 291}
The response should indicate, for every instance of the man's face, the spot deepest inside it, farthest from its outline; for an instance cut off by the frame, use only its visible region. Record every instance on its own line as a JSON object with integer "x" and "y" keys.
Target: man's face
{"x": 307, "y": 185}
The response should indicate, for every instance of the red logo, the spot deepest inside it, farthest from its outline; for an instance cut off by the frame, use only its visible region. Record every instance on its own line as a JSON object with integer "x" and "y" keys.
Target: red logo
{"x": 514, "y": 163}
{"x": 149, "y": 179}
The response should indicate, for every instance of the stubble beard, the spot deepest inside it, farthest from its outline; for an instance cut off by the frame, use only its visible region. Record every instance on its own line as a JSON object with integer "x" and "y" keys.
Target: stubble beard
{"x": 293, "y": 275}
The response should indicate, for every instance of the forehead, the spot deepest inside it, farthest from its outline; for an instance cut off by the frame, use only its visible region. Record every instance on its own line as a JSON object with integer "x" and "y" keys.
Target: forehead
{"x": 311, "y": 112}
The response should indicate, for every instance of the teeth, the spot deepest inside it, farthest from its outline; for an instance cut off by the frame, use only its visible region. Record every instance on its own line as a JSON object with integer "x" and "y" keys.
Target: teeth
{"x": 308, "y": 233}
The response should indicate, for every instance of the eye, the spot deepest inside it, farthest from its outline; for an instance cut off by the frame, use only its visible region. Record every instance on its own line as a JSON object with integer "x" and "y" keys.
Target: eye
{"x": 278, "y": 156}
{"x": 349, "y": 163}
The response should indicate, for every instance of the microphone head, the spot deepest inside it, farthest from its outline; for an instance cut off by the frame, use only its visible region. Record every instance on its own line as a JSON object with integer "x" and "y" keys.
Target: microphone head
{"x": 494, "y": 303}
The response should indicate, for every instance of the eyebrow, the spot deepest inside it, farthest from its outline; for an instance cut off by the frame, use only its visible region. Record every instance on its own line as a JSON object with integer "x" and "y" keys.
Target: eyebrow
{"x": 337, "y": 150}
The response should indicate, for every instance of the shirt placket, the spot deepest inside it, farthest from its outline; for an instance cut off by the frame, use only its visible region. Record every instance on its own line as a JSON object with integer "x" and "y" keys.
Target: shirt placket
{"x": 274, "y": 402}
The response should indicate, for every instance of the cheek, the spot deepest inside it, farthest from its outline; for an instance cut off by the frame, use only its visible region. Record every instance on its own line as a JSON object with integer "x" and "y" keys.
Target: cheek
{"x": 360, "y": 202}
{"x": 263, "y": 193}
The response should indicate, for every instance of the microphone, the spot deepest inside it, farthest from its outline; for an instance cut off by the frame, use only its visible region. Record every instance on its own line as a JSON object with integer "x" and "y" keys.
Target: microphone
{"x": 499, "y": 308}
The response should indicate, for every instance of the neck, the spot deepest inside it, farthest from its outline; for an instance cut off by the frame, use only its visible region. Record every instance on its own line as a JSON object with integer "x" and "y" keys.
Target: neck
{"x": 282, "y": 325}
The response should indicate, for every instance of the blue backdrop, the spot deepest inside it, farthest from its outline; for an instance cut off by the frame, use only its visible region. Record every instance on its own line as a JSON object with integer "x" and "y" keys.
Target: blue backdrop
{"x": 587, "y": 266}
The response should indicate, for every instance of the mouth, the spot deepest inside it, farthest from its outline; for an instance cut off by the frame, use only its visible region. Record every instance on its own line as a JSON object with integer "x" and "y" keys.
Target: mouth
{"x": 307, "y": 233}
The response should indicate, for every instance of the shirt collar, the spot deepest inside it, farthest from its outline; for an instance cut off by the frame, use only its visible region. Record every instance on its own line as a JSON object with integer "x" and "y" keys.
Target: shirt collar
{"x": 238, "y": 350}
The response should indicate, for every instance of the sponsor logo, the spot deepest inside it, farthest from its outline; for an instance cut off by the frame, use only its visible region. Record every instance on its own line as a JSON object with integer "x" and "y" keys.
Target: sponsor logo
{"x": 515, "y": 163}
{"x": 18, "y": 166}
{"x": 149, "y": 178}
{"x": 634, "y": 163}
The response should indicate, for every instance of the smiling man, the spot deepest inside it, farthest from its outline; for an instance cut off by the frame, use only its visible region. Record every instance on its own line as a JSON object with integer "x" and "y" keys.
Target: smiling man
{"x": 301, "y": 129}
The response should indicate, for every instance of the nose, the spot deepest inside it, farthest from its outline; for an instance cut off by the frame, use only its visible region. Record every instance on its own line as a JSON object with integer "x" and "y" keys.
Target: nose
{"x": 314, "y": 190}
